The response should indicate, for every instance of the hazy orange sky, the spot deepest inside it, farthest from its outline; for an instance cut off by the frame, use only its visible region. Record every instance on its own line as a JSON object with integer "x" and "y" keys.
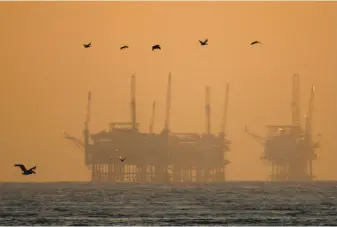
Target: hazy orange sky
{"x": 45, "y": 74}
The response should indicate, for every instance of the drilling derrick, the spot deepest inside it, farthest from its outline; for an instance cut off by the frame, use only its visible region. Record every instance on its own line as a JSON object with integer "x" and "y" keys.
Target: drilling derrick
{"x": 168, "y": 106}
{"x": 133, "y": 103}
{"x": 205, "y": 144}
{"x": 152, "y": 117}
{"x": 309, "y": 116}
{"x": 224, "y": 117}
{"x": 222, "y": 134}
{"x": 288, "y": 148}
{"x": 295, "y": 106}
{"x": 208, "y": 110}
{"x": 310, "y": 146}
{"x": 296, "y": 101}
{"x": 161, "y": 166}
{"x": 86, "y": 132}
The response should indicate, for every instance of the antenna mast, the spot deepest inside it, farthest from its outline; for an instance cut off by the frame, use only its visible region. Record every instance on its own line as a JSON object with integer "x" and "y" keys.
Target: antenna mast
{"x": 152, "y": 116}
{"x": 168, "y": 104}
{"x": 208, "y": 110}
{"x": 224, "y": 117}
{"x": 296, "y": 120}
{"x": 133, "y": 102}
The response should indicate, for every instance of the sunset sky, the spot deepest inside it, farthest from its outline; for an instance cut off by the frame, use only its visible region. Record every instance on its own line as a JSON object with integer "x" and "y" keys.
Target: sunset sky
{"x": 45, "y": 74}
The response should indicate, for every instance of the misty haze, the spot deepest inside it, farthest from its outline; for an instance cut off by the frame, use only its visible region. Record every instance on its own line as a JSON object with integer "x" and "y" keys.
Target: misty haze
{"x": 174, "y": 99}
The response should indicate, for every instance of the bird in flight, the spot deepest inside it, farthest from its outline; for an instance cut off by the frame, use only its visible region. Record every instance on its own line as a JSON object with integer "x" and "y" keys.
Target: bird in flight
{"x": 87, "y": 45}
{"x": 157, "y": 46}
{"x": 124, "y": 47}
{"x": 121, "y": 159}
{"x": 24, "y": 170}
{"x": 203, "y": 43}
{"x": 255, "y": 42}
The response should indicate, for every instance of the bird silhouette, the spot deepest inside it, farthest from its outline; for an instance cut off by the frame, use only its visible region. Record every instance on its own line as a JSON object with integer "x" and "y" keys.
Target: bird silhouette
{"x": 157, "y": 46}
{"x": 121, "y": 159}
{"x": 226, "y": 162}
{"x": 255, "y": 42}
{"x": 124, "y": 47}
{"x": 203, "y": 43}
{"x": 87, "y": 45}
{"x": 24, "y": 170}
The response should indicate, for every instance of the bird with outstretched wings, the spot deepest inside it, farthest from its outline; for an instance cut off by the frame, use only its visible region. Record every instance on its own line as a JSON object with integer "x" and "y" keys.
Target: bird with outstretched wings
{"x": 24, "y": 169}
{"x": 203, "y": 43}
{"x": 255, "y": 42}
{"x": 121, "y": 159}
{"x": 156, "y": 47}
{"x": 124, "y": 47}
{"x": 87, "y": 45}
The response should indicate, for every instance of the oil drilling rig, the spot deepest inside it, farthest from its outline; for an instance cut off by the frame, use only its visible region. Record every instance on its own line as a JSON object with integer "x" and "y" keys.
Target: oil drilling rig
{"x": 290, "y": 149}
{"x": 151, "y": 157}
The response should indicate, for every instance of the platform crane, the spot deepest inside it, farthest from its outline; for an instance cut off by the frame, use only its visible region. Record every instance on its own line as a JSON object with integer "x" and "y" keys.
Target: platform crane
{"x": 78, "y": 143}
{"x": 83, "y": 145}
{"x": 260, "y": 139}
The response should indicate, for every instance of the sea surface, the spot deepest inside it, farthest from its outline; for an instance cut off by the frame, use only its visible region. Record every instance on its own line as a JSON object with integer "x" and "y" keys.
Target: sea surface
{"x": 231, "y": 203}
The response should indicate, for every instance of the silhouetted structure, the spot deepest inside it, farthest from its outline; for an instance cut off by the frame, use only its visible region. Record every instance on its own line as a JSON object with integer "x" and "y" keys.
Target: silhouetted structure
{"x": 289, "y": 148}
{"x": 156, "y": 158}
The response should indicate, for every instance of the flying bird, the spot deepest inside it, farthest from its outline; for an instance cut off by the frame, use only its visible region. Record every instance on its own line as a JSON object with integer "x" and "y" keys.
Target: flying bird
{"x": 226, "y": 162}
{"x": 87, "y": 45}
{"x": 124, "y": 47}
{"x": 121, "y": 159}
{"x": 203, "y": 43}
{"x": 157, "y": 46}
{"x": 24, "y": 170}
{"x": 255, "y": 42}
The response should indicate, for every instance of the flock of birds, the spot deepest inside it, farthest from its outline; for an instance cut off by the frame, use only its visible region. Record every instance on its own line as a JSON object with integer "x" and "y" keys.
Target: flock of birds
{"x": 157, "y": 46}
{"x": 154, "y": 47}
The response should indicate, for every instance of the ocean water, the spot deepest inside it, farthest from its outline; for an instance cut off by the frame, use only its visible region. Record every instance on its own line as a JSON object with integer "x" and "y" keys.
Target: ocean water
{"x": 231, "y": 203}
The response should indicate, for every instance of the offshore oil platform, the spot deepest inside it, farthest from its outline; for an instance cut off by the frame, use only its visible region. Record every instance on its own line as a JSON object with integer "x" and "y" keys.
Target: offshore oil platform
{"x": 155, "y": 158}
{"x": 290, "y": 149}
